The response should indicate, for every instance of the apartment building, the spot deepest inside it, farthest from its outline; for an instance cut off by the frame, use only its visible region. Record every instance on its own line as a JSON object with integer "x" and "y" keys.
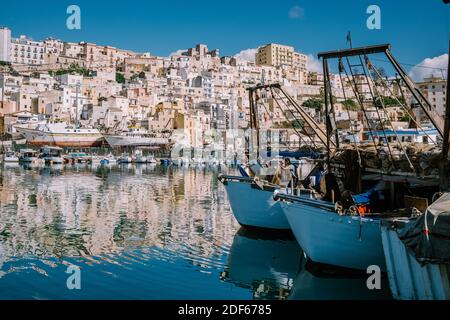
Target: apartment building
{"x": 5, "y": 44}
{"x": 27, "y": 51}
{"x": 276, "y": 55}
{"x": 434, "y": 88}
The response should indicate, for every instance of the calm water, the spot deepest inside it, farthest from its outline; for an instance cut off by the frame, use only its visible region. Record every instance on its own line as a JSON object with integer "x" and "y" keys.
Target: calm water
{"x": 146, "y": 232}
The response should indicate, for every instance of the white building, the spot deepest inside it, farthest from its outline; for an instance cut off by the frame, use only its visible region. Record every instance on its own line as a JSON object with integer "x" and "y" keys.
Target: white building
{"x": 434, "y": 88}
{"x": 27, "y": 51}
{"x": 5, "y": 44}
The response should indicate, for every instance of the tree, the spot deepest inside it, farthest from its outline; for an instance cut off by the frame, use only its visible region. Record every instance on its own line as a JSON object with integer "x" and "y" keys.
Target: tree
{"x": 389, "y": 102}
{"x": 314, "y": 103}
{"x": 350, "y": 105}
{"x": 120, "y": 78}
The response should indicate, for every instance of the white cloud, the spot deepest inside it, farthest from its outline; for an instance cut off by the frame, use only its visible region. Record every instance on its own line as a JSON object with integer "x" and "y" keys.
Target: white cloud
{"x": 314, "y": 65}
{"x": 177, "y": 53}
{"x": 296, "y": 12}
{"x": 247, "y": 55}
{"x": 423, "y": 69}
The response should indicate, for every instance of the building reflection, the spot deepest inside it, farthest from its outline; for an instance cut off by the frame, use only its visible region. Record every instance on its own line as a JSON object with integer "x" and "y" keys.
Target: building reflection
{"x": 83, "y": 212}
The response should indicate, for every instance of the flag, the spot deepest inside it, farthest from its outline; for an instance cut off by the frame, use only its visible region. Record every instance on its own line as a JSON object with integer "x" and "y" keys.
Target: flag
{"x": 349, "y": 38}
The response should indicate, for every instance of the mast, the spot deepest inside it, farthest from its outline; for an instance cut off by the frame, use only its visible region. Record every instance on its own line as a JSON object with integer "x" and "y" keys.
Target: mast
{"x": 77, "y": 120}
{"x": 446, "y": 143}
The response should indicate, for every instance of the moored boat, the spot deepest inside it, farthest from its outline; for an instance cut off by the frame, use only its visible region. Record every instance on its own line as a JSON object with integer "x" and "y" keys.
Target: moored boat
{"x": 30, "y": 156}
{"x": 52, "y": 155}
{"x": 77, "y": 157}
{"x": 327, "y": 237}
{"x": 136, "y": 137}
{"x": 253, "y": 205}
{"x": 62, "y": 135}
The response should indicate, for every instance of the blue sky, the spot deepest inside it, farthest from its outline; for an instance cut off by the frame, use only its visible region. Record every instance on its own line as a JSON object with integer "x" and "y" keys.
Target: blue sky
{"x": 417, "y": 29}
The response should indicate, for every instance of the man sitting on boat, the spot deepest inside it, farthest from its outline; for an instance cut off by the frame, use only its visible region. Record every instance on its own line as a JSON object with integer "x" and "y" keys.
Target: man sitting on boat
{"x": 285, "y": 175}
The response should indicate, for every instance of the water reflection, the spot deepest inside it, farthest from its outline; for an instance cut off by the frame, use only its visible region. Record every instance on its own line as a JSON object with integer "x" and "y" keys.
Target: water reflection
{"x": 119, "y": 221}
{"x": 323, "y": 282}
{"x": 265, "y": 264}
{"x": 146, "y": 232}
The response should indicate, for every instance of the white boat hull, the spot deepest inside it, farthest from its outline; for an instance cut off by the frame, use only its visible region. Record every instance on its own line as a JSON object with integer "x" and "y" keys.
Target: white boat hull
{"x": 10, "y": 159}
{"x": 337, "y": 240}
{"x": 253, "y": 207}
{"x": 123, "y": 141}
{"x": 41, "y": 138}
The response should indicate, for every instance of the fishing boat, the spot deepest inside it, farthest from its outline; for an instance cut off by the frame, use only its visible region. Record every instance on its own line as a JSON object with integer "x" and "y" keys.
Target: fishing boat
{"x": 251, "y": 196}
{"x": 136, "y": 137}
{"x": 350, "y": 241}
{"x": 29, "y": 156}
{"x": 341, "y": 223}
{"x": 61, "y": 134}
{"x": 252, "y": 203}
{"x": 52, "y": 155}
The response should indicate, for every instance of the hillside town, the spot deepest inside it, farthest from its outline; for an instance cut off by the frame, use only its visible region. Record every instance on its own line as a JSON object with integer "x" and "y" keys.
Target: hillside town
{"x": 193, "y": 90}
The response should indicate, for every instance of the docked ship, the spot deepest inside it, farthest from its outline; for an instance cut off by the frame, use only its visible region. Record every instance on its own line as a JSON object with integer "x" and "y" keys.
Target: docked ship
{"x": 62, "y": 135}
{"x": 137, "y": 137}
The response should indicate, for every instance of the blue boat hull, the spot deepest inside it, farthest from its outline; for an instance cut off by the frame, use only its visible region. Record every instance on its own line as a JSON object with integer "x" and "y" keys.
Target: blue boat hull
{"x": 256, "y": 208}
{"x": 337, "y": 240}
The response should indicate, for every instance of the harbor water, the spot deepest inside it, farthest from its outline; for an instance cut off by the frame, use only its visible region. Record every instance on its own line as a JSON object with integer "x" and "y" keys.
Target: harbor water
{"x": 147, "y": 232}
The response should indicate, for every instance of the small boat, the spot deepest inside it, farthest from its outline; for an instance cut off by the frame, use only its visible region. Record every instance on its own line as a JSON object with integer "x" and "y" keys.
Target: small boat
{"x": 108, "y": 160}
{"x": 125, "y": 158}
{"x": 10, "y": 157}
{"x": 252, "y": 203}
{"x": 52, "y": 155}
{"x": 77, "y": 157}
{"x": 166, "y": 162}
{"x": 30, "y": 156}
{"x": 151, "y": 159}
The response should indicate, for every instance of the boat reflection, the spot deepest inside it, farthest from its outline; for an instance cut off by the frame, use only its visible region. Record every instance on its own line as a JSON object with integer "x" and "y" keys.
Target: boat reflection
{"x": 323, "y": 282}
{"x": 267, "y": 264}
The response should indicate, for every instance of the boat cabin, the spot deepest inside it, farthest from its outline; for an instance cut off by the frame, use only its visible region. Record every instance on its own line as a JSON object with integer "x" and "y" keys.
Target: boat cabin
{"x": 426, "y": 136}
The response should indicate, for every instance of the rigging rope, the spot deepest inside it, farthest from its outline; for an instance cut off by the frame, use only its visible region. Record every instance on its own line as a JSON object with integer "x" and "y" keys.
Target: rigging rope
{"x": 368, "y": 63}
{"x": 341, "y": 66}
